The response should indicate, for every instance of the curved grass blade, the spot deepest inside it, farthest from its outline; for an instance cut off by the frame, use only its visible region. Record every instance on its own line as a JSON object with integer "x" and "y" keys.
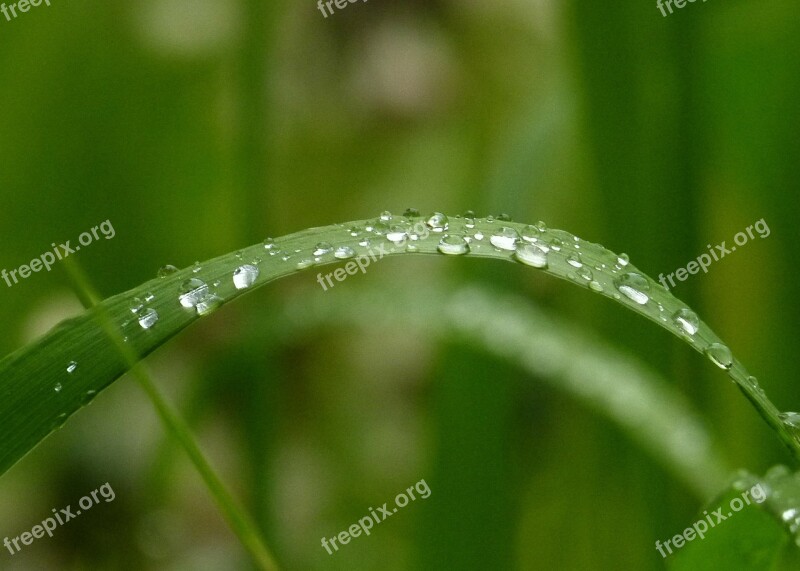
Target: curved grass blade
{"x": 42, "y": 384}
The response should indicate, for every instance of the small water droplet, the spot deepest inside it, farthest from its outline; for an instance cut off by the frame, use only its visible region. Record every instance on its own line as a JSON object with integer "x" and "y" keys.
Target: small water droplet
{"x": 167, "y": 270}
{"x": 437, "y": 222}
{"x": 541, "y": 226}
{"x": 453, "y": 245}
{"x": 623, "y": 259}
{"x": 72, "y": 366}
{"x": 196, "y": 268}
{"x": 633, "y": 286}
{"x": 208, "y": 304}
{"x": 148, "y": 297}
{"x": 245, "y": 276}
{"x": 595, "y": 286}
{"x": 269, "y": 244}
{"x": 355, "y": 232}
{"x": 386, "y": 216}
{"x": 88, "y": 396}
{"x": 136, "y": 305}
{"x": 530, "y": 233}
{"x": 574, "y": 260}
{"x": 790, "y": 419}
{"x": 148, "y": 318}
{"x": 753, "y": 382}
{"x": 366, "y": 242}
{"x": 531, "y": 255}
{"x": 478, "y": 235}
{"x": 585, "y": 273}
{"x": 720, "y": 355}
{"x": 191, "y": 292}
{"x": 304, "y": 263}
{"x": 322, "y": 249}
{"x": 344, "y": 252}
{"x": 58, "y": 387}
{"x": 686, "y": 320}
{"x": 397, "y": 233}
{"x": 59, "y": 421}
{"x": 504, "y": 217}
{"x": 556, "y": 244}
{"x": 505, "y": 238}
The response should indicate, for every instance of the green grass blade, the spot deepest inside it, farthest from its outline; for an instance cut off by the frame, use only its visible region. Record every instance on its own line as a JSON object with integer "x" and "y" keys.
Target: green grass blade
{"x": 44, "y": 383}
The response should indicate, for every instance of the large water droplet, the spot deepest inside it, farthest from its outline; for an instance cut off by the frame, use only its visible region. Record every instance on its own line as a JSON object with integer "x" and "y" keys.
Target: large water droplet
{"x": 245, "y": 276}
{"x": 720, "y": 355}
{"x": 437, "y": 222}
{"x": 167, "y": 270}
{"x": 148, "y": 318}
{"x": 344, "y": 252}
{"x": 531, "y": 255}
{"x": 505, "y": 238}
{"x": 71, "y": 366}
{"x": 191, "y": 292}
{"x": 633, "y": 286}
{"x": 453, "y": 245}
{"x": 686, "y": 320}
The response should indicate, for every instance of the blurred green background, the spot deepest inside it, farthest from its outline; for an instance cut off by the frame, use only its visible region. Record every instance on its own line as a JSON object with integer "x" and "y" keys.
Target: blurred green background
{"x": 200, "y": 126}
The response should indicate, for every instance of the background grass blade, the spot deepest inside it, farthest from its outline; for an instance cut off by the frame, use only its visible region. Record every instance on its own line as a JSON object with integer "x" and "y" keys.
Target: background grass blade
{"x": 46, "y": 382}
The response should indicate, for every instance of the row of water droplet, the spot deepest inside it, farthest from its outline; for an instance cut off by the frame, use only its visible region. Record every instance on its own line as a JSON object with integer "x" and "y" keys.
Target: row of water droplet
{"x": 534, "y": 245}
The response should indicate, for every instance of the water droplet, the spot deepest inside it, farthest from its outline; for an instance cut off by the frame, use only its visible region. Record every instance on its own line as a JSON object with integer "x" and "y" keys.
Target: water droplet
{"x": 623, "y": 259}
{"x": 574, "y": 260}
{"x": 136, "y": 305}
{"x": 148, "y": 297}
{"x": 344, "y": 252}
{"x": 245, "y": 276}
{"x": 686, "y": 320}
{"x": 753, "y": 382}
{"x": 505, "y": 239}
{"x": 355, "y": 232}
{"x": 366, "y": 242}
{"x": 504, "y": 217}
{"x": 386, "y": 216}
{"x": 269, "y": 244}
{"x": 167, "y": 270}
{"x": 58, "y": 421}
{"x": 437, "y": 222}
{"x": 148, "y": 318}
{"x": 585, "y": 273}
{"x": 411, "y": 213}
{"x": 196, "y": 268}
{"x": 720, "y": 355}
{"x": 454, "y": 245}
{"x": 595, "y": 286}
{"x": 88, "y": 396}
{"x": 790, "y": 419}
{"x": 397, "y": 233}
{"x": 531, "y": 255}
{"x": 304, "y": 263}
{"x": 208, "y": 304}
{"x": 633, "y": 286}
{"x": 541, "y": 226}
{"x": 478, "y": 235}
{"x": 530, "y": 233}
{"x": 490, "y": 219}
{"x": 191, "y": 292}
{"x": 58, "y": 387}
{"x": 72, "y": 366}
{"x": 556, "y": 244}
{"x": 322, "y": 248}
